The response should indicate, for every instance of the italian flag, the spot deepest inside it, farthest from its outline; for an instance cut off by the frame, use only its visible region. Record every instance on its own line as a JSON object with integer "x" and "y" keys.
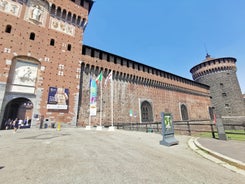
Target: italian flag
{"x": 99, "y": 78}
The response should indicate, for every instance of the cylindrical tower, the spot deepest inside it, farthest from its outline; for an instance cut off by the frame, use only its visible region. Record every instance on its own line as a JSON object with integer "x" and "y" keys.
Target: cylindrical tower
{"x": 220, "y": 75}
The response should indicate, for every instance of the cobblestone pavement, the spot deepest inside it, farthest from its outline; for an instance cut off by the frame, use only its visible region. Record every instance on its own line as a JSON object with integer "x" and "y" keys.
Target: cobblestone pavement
{"x": 76, "y": 155}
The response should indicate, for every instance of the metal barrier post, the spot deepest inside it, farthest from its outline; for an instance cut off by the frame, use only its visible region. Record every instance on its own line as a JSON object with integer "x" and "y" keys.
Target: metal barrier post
{"x": 189, "y": 128}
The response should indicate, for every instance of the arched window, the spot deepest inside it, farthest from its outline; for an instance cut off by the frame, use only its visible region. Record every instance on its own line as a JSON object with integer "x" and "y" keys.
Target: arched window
{"x": 146, "y": 112}
{"x": 52, "y": 12}
{"x": 184, "y": 112}
{"x": 58, "y": 14}
{"x": 8, "y": 29}
{"x": 74, "y": 17}
{"x": 69, "y": 16}
{"x": 78, "y": 20}
{"x": 64, "y": 14}
{"x": 83, "y": 23}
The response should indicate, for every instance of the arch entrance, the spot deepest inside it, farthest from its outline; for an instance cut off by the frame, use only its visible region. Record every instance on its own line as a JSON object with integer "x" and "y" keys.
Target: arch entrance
{"x": 20, "y": 108}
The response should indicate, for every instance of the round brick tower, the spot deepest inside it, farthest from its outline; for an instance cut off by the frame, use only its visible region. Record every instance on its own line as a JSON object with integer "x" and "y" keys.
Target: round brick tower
{"x": 225, "y": 92}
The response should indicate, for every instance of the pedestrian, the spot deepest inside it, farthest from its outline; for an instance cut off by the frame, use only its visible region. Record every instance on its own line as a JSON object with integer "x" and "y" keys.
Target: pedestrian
{"x": 20, "y": 123}
{"x": 15, "y": 125}
{"x": 7, "y": 124}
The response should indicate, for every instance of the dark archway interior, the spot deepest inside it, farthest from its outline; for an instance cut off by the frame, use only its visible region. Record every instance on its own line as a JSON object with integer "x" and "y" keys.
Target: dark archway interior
{"x": 16, "y": 109}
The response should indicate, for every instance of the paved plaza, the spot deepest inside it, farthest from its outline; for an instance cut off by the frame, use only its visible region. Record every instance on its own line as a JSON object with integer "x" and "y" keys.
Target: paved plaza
{"x": 76, "y": 155}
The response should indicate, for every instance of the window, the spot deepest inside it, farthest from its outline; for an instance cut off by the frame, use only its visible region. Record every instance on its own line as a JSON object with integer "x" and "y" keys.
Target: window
{"x": 58, "y": 14}
{"x": 52, "y": 12}
{"x": 32, "y": 36}
{"x": 184, "y": 112}
{"x": 78, "y": 20}
{"x": 227, "y": 105}
{"x": 69, "y": 47}
{"x": 74, "y": 17}
{"x": 8, "y": 29}
{"x": 69, "y": 16}
{"x": 52, "y": 42}
{"x": 64, "y": 14}
{"x": 224, "y": 94}
{"x": 146, "y": 112}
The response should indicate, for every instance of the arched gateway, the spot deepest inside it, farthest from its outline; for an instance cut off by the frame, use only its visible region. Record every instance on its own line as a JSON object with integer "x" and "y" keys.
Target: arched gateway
{"x": 20, "y": 108}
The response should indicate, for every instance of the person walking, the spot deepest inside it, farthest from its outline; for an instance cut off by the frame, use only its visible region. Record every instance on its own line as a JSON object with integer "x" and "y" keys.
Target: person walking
{"x": 16, "y": 125}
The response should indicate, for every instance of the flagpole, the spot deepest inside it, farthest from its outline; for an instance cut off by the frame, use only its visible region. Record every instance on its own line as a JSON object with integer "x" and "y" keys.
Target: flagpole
{"x": 100, "y": 127}
{"x": 89, "y": 115}
{"x": 112, "y": 127}
{"x": 99, "y": 81}
{"x": 101, "y": 104}
{"x": 112, "y": 102}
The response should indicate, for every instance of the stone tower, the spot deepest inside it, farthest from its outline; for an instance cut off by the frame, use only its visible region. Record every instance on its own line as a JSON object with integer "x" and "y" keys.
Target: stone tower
{"x": 225, "y": 92}
{"x": 40, "y": 59}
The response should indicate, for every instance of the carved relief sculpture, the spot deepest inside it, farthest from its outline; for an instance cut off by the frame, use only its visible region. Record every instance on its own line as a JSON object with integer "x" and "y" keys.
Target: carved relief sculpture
{"x": 37, "y": 12}
{"x": 10, "y": 7}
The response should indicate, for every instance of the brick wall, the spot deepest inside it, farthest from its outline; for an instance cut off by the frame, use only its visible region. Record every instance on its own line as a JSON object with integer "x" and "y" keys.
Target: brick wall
{"x": 58, "y": 63}
{"x": 134, "y": 83}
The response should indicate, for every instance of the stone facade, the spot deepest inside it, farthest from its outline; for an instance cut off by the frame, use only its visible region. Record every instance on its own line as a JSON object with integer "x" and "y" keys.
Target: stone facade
{"x": 225, "y": 91}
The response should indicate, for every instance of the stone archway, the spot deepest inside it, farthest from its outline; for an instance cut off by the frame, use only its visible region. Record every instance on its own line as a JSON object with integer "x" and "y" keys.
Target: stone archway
{"x": 20, "y": 108}
{"x": 146, "y": 112}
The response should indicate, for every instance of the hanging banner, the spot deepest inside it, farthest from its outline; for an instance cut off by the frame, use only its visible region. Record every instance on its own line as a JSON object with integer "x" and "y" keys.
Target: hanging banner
{"x": 93, "y": 97}
{"x": 58, "y": 98}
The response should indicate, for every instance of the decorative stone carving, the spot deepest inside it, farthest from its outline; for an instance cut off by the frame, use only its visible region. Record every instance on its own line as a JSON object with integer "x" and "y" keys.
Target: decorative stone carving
{"x": 61, "y": 26}
{"x": 10, "y": 7}
{"x": 36, "y": 12}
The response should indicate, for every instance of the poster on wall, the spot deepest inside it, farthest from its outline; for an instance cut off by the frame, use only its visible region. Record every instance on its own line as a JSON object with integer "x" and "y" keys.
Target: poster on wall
{"x": 58, "y": 98}
{"x": 93, "y": 97}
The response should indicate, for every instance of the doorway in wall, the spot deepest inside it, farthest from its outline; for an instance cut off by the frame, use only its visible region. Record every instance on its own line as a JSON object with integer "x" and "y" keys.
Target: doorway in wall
{"x": 20, "y": 108}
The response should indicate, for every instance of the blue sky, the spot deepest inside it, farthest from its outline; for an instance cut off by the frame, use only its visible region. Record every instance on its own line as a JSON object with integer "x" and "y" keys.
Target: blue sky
{"x": 171, "y": 35}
